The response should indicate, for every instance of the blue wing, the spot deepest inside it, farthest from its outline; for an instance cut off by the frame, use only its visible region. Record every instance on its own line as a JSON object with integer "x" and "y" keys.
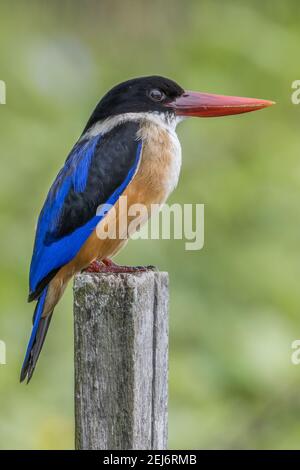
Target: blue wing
{"x": 97, "y": 171}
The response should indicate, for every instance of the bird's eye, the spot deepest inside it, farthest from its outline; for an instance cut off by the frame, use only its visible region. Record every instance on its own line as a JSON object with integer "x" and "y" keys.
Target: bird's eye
{"x": 156, "y": 95}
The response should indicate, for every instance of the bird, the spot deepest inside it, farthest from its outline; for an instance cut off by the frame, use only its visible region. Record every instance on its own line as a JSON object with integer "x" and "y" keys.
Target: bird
{"x": 128, "y": 148}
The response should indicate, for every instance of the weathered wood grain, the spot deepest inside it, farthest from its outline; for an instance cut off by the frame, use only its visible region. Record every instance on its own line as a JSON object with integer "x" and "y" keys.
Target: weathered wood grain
{"x": 121, "y": 360}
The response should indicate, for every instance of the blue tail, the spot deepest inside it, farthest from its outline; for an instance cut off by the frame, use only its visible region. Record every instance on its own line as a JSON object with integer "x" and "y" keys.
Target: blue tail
{"x": 37, "y": 338}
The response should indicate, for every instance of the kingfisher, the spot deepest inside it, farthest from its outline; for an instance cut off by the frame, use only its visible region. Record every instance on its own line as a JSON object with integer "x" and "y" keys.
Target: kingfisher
{"x": 128, "y": 148}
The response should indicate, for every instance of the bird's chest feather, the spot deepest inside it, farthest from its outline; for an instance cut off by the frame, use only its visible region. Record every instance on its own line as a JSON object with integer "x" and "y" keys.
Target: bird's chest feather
{"x": 159, "y": 169}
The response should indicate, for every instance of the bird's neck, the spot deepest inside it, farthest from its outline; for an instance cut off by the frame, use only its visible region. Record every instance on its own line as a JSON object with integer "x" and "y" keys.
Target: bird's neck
{"x": 163, "y": 120}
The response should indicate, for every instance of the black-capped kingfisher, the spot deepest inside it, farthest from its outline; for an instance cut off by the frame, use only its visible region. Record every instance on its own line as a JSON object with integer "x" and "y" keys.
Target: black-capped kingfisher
{"x": 128, "y": 147}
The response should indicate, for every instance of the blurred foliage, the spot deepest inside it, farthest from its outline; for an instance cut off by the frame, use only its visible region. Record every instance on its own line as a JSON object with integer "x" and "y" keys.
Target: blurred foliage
{"x": 235, "y": 304}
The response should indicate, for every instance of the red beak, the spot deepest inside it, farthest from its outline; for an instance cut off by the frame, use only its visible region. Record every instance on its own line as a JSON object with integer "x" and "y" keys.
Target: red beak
{"x": 193, "y": 103}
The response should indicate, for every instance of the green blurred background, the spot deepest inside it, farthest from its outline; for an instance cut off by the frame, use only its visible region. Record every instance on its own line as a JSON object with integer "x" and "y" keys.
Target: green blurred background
{"x": 235, "y": 305}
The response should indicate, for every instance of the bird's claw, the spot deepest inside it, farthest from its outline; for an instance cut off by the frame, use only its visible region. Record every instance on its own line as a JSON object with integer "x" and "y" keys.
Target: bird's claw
{"x": 108, "y": 266}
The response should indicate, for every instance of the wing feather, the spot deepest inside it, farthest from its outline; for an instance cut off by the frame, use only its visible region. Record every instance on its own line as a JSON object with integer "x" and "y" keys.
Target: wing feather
{"x": 96, "y": 172}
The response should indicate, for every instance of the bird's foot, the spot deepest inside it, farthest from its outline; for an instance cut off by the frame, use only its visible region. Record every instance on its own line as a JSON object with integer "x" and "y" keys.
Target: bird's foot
{"x": 108, "y": 266}
{"x": 95, "y": 267}
{"x": 117, "y": 268}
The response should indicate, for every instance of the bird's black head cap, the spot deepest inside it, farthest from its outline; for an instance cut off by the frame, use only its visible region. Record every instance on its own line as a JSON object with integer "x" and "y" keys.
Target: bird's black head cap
{"x": 144, "y": 94}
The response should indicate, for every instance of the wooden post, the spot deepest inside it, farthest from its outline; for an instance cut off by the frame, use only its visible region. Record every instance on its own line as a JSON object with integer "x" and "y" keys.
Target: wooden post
{"x": 121, "y": 360}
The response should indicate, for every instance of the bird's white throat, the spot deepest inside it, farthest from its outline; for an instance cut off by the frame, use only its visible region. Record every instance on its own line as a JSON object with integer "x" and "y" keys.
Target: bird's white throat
{"x": 164, "y": 120}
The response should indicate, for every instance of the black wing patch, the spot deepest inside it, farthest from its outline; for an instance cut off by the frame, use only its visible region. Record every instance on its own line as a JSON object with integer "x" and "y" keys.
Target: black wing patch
{"x": 114, "y": 155}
